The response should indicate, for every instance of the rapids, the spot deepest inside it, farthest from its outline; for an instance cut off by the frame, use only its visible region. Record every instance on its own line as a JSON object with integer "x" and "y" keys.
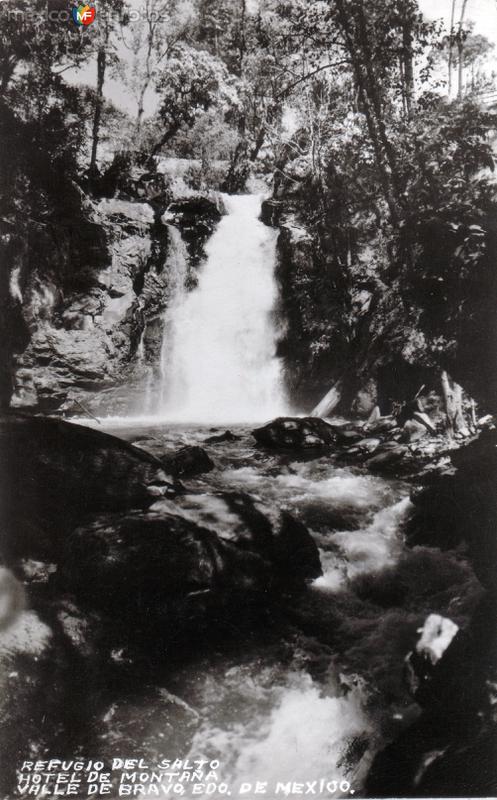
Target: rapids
{"x": 286, "y": 703}
{"x": 314, "y": 687}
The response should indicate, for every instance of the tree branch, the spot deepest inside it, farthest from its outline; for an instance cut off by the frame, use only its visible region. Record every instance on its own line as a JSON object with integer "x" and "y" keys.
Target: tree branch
{"x": 310, "y": 75}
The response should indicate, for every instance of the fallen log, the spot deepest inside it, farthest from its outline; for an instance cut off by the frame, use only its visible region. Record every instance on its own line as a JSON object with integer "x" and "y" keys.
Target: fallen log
{"x": 329, "y": 402}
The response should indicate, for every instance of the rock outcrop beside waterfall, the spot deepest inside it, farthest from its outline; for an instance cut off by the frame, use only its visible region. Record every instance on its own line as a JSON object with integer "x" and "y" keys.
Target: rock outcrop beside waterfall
{"x": 351, "y": 322}
{"x": 90, "y": 309}
{"x": 342, "y": 324}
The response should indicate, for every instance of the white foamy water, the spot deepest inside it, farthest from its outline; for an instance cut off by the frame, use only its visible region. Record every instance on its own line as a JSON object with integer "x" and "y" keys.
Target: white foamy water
{"x": 177, "y": 267}
{"x": 219, "y": 361}
{"x": 284, "y": 706}
{"x": 286, "y": 728}
{"x": 369, "y": 549}
{"x": 373, "y": 509}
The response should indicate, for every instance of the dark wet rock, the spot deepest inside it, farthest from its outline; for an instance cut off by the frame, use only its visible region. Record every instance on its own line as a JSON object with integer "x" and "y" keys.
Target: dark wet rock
{"x": 188, "y": 461}
{"x": 87, "y": 633}
{"x": 296, "y": 433}
{"x": 150, "y": 568}
{"x": 381, "y": 425}
{"x": 414, "y": 430}
{"x": 180, "y": 563}
{"x": 479, "y": 457}
{"x": 237, "y": 519}
{"x": 361, "y": 450}
{"x": 368, "y": 445}
{"x": 274, "y": 211}
{"x": 55, "y": 471}
{"x": 347, "y": 436}
{"x": 196, "y": 217}
{"x": 450, "y": 751}
{"x": 387, "y": 457}
{"x": 424, "y": 419}
{"x": 227, "y": 436}
{"x": 295, "y": 551}
{"x": 188, "y": 211}
{"x": 30, "y": 695}
{"x": 366, "y": 399}
{"x": 461, "y": 508}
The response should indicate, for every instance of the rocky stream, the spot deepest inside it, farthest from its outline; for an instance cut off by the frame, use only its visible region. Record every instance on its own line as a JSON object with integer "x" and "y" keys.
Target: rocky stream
{"x": 191, "y": 569}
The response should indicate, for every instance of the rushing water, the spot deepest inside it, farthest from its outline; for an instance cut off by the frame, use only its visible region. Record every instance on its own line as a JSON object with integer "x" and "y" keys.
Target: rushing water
{"x": 309, "y": 695}
{"x": 218, "y": 357}
{"x": 297, "y": 703}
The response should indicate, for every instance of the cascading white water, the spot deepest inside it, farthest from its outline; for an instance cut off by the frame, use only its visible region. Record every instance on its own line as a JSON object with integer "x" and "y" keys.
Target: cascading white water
{"x": 219, "y": 362}
{"x": 177, "y": 269}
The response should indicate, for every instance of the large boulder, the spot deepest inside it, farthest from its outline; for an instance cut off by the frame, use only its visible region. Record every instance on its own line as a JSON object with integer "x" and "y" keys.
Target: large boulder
{"x": 188, "y": 461}
{"x": 55, "y": 471}
{"x": 387, "y": 458}
{"x": 218, "y": 438}
{"x": 28, "y": 694}
{"x": 460, "y": 507}
{"x": 238, "y": 520}
{"x": 451, "y": 750}
{"x": 295, "y": 433}
{"x": 414, "y": 430}
{"x": 184, "y": 562}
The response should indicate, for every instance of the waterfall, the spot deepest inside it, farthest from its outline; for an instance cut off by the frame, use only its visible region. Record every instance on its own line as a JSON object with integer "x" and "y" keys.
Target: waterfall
{"x": 177, "y": 270}
{"x": 148, "y": 372}
{"x": 218, "y": 355}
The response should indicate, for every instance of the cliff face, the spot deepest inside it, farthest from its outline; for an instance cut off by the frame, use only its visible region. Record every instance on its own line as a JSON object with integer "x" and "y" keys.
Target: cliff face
{"x": 377, "y": 309}
{"x": 85, "y": 298}
{"x": 341, "y": 324}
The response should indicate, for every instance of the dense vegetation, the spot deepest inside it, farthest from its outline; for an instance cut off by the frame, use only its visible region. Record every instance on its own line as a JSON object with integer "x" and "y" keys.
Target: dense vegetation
{"x": 373, "y": 122}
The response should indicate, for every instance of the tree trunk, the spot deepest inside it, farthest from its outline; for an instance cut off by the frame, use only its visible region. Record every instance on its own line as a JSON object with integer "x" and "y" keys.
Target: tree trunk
{"x": 365, "y": 102}
{"x": 141, "y": 109}
{"x": 242, "y": 44}
{"x": 474, "y": 421}
{"x": 460, "y": 51}
{"x": 451, "y": 45}
{"x": 329, "y": 401}
{"x": 452, "y": 393}
{"x": 146, "y": 80}
{"x": 101, "y": 66}
{"x": 408, "y": 58}
{"x": 165, "y": 138}
{"x": 258, "y": 144}
{"x": 373, "y": 92}
{"x": 459, "y": 67}
{"x": 403, "y": 85}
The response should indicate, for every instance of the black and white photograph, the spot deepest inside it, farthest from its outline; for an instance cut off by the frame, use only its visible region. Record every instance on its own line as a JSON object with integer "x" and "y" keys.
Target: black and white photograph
{"x": 248, "y": 390}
